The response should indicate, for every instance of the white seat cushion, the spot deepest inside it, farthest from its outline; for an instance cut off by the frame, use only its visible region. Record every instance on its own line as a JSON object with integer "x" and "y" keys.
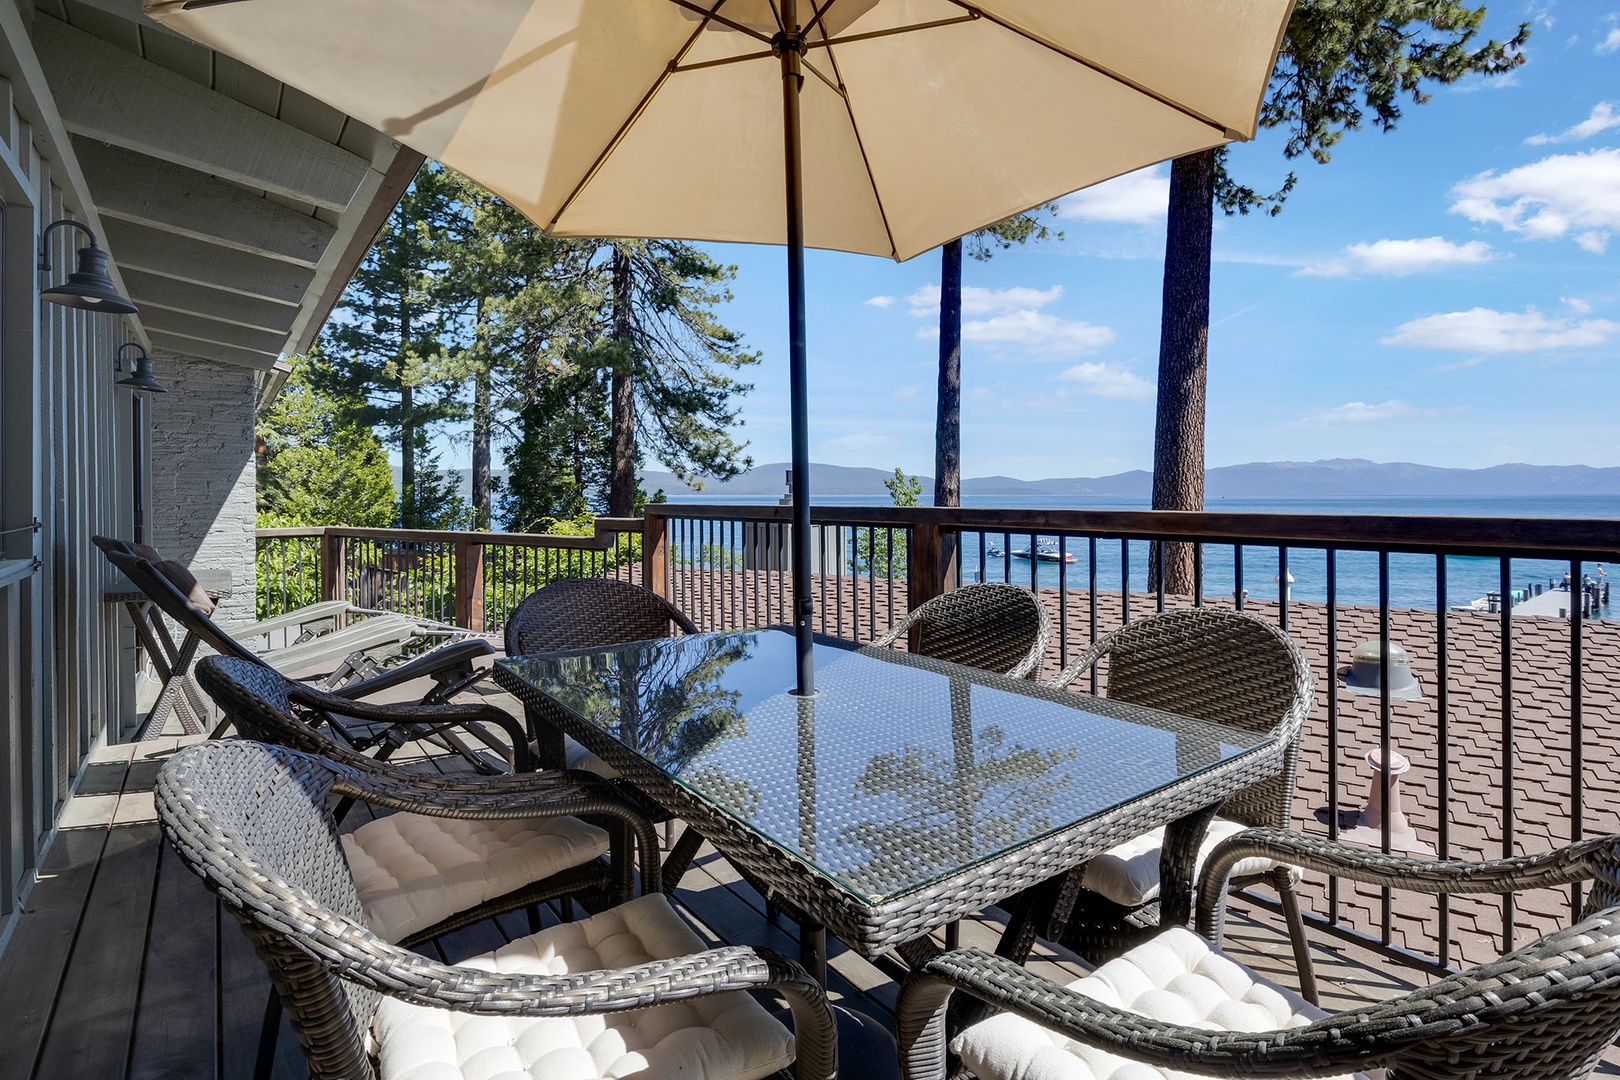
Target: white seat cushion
{"x": 576, "y": 756}
{"x": 413, "y": 871}
{"x": 1178, "y": 977}
{"x": 722, "y": 1037}
{"x": 1129, "y": 874}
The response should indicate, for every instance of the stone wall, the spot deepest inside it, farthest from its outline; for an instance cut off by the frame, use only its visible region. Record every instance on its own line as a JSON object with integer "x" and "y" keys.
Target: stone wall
{"x": 202, "y": 472}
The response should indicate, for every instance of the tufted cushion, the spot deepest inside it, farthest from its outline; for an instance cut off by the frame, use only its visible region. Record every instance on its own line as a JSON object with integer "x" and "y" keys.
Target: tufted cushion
{"x": 1178, "y": 977}
{"x": 722, "y": 1037}
{"x": 1129, "y": 874}
{"x": 413, "y": 871}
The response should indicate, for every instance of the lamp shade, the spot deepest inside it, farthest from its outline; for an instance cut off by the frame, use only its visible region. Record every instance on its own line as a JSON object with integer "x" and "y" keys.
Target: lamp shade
{"x": 90, "y": 286}
{"x": 142, "y": 380}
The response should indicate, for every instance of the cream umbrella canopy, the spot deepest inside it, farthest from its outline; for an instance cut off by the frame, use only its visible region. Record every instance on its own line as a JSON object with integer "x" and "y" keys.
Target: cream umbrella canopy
{"x": 890, "y": 126}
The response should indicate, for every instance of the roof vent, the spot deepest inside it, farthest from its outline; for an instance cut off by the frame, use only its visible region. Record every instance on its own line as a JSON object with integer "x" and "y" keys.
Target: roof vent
{"x": 1362, "y": 677}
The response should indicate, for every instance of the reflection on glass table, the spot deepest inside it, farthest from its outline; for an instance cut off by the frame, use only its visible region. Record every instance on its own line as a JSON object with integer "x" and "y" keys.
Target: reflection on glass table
{"x": 907, "y": 792}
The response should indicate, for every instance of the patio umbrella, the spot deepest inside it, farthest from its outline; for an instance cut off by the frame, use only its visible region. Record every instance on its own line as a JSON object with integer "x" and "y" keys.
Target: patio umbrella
{"x": 878, "y": 126}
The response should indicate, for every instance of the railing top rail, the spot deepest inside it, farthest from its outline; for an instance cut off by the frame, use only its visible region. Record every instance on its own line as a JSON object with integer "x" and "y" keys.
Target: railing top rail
{"x": 606, "y": 530}
{"x": 1590, "y": 538}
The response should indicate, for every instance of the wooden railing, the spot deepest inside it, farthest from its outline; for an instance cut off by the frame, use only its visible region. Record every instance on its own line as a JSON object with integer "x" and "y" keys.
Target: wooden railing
{"x": 1511, "y": 737}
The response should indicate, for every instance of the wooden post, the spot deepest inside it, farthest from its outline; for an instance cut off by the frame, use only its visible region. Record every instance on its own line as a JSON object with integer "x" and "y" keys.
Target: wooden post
{"x": 469, "y": 560}
{"x": 930, "y": 566}
{"x": 655, "y": 553}
{"x": 332, "y": 581}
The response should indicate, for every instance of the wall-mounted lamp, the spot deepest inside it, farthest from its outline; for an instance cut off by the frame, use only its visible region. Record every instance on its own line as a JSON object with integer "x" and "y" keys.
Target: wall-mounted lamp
{"x": 142, "y": 380}
{"x": 90, "y": 286}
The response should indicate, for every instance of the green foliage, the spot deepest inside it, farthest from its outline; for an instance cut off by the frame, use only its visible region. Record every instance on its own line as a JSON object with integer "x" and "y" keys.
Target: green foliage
{"x": 882, "y": 552}
{"x": 1017, "y": 229}
{"x": 317, "y": 467}
{"x": 903, "y": 490}
{"x": 1345, "y": 63}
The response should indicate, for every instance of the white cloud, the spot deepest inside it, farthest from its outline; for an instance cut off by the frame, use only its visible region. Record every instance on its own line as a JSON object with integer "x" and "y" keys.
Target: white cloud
{"x": 1401, "y": 257}
{"x": 1108, "y": 381}
{"x": 1481, "y": 330}
{"x": 858, "y": 445}
{"x": 978, "y": 301}
{"x": 1137, "y": 198}
{"x": 1564, "y": 194}
{"x": 1039, "y": 332}
{"x": 1577, "y": 305}
{"x": 880, "y": 302}
{"x": 1612, "y": 42}
{"x": 1602, "y": 119}
{"x": 904, "y": 393}
{"x": 1461, "y": 365}
{"x": 1359, "y": 412}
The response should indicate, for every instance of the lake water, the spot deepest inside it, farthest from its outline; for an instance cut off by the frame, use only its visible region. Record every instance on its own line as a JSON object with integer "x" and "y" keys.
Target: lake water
{"x": 1413, "y": 579}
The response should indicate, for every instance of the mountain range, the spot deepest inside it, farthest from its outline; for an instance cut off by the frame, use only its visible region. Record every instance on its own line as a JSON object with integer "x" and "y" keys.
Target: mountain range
{"x": 1336, "y": 477}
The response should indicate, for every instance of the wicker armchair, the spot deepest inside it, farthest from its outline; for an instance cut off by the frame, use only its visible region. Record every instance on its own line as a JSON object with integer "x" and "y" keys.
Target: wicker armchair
{"x": 1217, "y": 665}
{"x": 1000, "y": 628}
{"x": 584, "y": 613}
{"x": 251, "y": 821}
{"x": 1548, "y": 1010}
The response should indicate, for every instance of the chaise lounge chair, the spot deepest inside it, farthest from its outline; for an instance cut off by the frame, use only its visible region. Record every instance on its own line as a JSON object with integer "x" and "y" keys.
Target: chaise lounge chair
{"x": 349, "y": 654}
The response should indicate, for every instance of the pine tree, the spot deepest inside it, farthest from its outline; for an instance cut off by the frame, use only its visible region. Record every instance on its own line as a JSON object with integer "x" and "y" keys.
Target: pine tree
{"x": 1340, "y": 61}
{"x": 667, "y": 362}
{"x": 316, "y": 468}
{"x": 981, "y": 245}
{"x": 383, "y": 349}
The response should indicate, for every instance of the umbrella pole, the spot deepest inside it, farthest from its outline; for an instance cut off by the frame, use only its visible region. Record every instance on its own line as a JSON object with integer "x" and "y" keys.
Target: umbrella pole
{"x": 788, "y": 47}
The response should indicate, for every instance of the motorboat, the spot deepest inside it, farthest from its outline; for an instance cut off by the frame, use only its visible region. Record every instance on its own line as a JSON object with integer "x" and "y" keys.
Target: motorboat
{"x": 1045, "y": 553}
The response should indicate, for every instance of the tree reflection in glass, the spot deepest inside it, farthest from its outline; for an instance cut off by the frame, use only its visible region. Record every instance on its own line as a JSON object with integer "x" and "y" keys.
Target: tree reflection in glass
{"x": 989, "y": 795}
{"x": 671, "y": 704}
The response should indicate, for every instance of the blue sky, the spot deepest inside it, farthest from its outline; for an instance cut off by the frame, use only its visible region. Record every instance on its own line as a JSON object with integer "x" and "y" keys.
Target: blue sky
{"x": 1448, "y": 293}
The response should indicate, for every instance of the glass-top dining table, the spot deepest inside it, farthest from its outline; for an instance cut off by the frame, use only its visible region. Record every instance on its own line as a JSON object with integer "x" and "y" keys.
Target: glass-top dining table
{"x": 907, "y": 792}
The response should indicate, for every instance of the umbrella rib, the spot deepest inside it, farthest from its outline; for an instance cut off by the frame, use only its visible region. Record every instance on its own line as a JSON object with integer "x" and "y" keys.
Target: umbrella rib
{"x": 845, "y": 40}
{"x": 866, "y": 163}
{"x": 1107, "y": 73}
{"x": 629, "y": 122}
{"x": 713, "y": 14}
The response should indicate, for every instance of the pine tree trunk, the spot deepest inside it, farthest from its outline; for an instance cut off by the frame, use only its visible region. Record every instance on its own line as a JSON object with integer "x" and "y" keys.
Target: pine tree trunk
{"x": 407, "y": 458}
{"x": 481, "y": 423}
{"x": 622, "y": 478}
{"x": 948, "y": 418}
{"x": 1178, "y": 444}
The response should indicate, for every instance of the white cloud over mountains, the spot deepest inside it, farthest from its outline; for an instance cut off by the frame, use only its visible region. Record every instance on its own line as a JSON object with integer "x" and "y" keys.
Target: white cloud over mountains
{"x": 1137, "y": 198}
{"x": 1401, "y": 257}
{"x": 1602, "y": 119}
{"x": 1482, "y": 330}
{"x": 1012, "y": 316}
{"x": 1359, "y": 412}
{"x": 1108, "y": 381}
{"x": 1564, "y": 195}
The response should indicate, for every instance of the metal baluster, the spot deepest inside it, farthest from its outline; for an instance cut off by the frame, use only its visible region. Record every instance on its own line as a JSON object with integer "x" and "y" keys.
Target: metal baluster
{"x": 1333, "y": 720}
{"x": 1282, "y": 589}
{"x": 1091, "y": 569}
{"x": 1198, "y": 575}
{"x": 1063, "y": 602}
{"x": 1384, "y": 711}
{"x": 1125, "y": 581}
{"x": 1157, "y": 551}
{"x": 1507, "y": 733}
{"x": 1237, "y": 576}
{"x": 1443, "y": 741}
{"x": 1577, "y": 772}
